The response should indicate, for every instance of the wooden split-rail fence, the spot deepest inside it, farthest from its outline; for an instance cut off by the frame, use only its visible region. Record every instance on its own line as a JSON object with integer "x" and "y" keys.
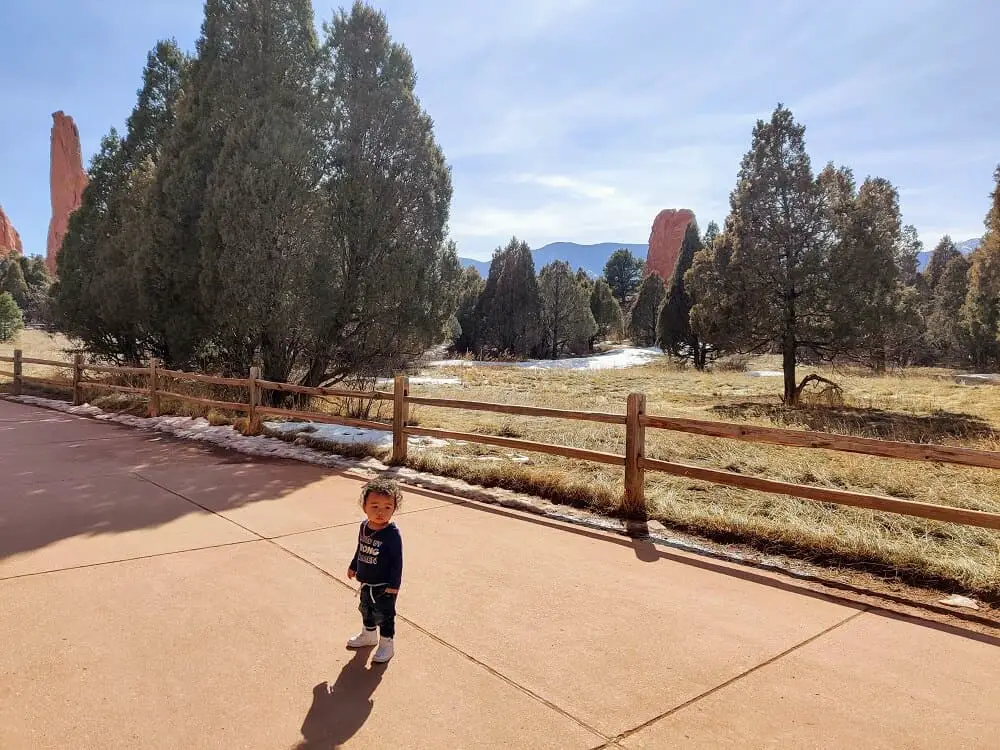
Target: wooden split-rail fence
{"x": 635, "y": 420}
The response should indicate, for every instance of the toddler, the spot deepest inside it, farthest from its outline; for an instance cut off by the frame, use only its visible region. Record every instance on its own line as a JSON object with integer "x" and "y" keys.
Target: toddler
{"x": 378, "y": 566}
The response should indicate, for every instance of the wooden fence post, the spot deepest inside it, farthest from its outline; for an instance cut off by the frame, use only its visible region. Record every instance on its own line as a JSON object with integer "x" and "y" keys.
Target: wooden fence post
{"x": 400, "y": 414}
{"x": 154, "y": 398}
{"x": 635, "y": 451}
{"x": 18, "y": 384}
{"x": 254, "y": 425}
{"x": 77, "y": 376}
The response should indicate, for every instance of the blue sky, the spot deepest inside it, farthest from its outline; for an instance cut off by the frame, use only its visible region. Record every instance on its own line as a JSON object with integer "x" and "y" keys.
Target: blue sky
{"x": 579, "y": 120}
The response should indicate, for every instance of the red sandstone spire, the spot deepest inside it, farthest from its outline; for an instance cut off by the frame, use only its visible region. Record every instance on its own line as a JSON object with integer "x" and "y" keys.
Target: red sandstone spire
{"x": 67, "y": 180}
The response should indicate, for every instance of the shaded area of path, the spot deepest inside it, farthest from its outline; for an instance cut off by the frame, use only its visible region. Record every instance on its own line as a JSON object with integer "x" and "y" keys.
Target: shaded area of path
{"x": 189, "y": 598}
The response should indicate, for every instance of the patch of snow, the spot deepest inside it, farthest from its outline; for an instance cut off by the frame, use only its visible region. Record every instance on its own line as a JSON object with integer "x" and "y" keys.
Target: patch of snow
{"x": 957, "y": 600}
{"x": 765, "y": 374}
{"x": 977, "y": 378}
{"x": 612, "y": 360}
{"x": 421, "y": 380}
{"x": 350, "y": 435}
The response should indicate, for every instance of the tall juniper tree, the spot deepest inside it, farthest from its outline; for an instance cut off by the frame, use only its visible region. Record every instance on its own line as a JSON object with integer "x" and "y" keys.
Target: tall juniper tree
{"x": 674, "y": 333}
{"x": 386, "y": 280}
{"x": 772, "y": 268}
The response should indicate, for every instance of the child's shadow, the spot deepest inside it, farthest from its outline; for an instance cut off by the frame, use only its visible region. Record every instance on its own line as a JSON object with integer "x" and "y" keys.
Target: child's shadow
{"x": 338, "y": 711}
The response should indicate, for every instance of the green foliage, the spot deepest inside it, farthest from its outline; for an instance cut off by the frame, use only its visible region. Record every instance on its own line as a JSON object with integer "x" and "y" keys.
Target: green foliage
{"x": 980, "y": 313}
{"x": 606, "y": 310}
{"x": 623, "y": 273}
{"x": 385, "y": 279}
{"x": 467, "y": 337}
{"x": 11, "y": 321}
{"x": 776, "y": 271}
{"x": 97, "y": 297}
{"x": 275, "y": 201}
{"x": 643, "y": 317}
{"x": 946, "y": 334}
{"x": 567, "y": 323}
{"x": 673, "y": 329}
{"x": 872, "y": 322}
{"x": 510, "y": 305}
{"x": 942, "y": 255}
{"x": 14, "y": 283}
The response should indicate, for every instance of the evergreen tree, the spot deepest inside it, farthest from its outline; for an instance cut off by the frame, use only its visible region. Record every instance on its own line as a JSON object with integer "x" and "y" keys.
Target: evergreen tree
{"x": 469, "y": 326}
{"x": 510, "y": 305}
{"x": 773, "y": 275}
{"x": 868, "y": 310}
{"x": 711, "y": 233}
{"x": 97, "y": 295}
{"x": 385, "y": 280}
{"x": 943, "y": 253}
{"x": 907, "y": 260}
{"x": 981, "y": 312}
{"x": 258, "y": 229}
{"x": 946, "y": 335}
{"x": 14, "y": 283}
{"x": 11, "y": 321}
{"x": 673, "y": 330}
{"x": 75, "y": 298}
{"x": 606, "y": 310}
{"x": 217, "y": 90}
{"x": 623, "y": 272}
{"x": 644, "y": 315}
{"x": 566, "y": 320}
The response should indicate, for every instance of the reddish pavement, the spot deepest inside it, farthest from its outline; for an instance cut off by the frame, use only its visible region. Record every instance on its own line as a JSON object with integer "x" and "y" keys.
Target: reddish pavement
{"x": 157, "y": 594}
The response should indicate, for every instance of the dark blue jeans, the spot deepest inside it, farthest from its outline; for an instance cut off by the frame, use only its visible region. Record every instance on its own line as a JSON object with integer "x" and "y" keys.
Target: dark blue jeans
{"x": 378, "y": 610}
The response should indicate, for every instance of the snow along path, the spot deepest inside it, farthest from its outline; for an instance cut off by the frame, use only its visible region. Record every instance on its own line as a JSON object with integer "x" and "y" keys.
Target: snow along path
{"x": 615, "y": 359}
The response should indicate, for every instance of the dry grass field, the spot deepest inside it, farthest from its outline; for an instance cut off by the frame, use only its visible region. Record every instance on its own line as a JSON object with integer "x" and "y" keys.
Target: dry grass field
{"x": 919, "y": 405}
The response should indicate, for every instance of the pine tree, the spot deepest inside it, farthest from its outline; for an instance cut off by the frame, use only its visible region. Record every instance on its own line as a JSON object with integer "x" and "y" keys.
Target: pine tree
{"x": 98, "y": 292}
{"x": 711, "y": 234}
{"x": 14, "y": 283}
{"x": 943, "y": 253}
{"x": 606, "y": 310}
{"x": 981, "y": 312}
{"x": 644, "y": 315}
{"x": 623, "y": 272}
{"x": 775, "y": 274}
{"x": 215, "y": 94}
{"x": 945, "y": 332}
{"x": 567, "y": 323}
{"x": 673, "y": 330}
{"x": 11, "y": 321}
{"x": 510, "y": 305}
{"x": 470, "y": 327}
{"x": 386, "y": 279}
{"x": 869, "y": 314}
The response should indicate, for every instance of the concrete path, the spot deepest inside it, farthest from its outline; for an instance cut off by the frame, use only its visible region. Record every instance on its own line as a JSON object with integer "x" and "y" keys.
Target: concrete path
{"x": 156, "y": 594}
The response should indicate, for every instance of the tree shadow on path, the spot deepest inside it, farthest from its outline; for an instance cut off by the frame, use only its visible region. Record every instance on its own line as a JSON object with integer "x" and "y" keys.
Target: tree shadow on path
{"x": 339, "y": 710}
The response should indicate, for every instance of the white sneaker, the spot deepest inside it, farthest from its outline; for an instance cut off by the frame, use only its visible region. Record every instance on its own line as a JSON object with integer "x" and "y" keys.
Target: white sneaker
{"x": 384, "y": 652}
{"x": 364, "y": 639}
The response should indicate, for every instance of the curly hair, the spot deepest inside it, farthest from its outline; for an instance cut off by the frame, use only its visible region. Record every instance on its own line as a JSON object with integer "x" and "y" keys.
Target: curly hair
{"x": 382, "y": 486}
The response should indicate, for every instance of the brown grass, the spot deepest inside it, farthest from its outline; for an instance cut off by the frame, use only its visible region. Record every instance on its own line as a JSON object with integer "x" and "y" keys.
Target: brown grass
{"x": 918, "y": 405}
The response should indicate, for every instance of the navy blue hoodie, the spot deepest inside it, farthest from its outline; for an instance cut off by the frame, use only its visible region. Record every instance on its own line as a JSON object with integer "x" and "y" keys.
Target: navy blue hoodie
{"x": 379, "y": 556}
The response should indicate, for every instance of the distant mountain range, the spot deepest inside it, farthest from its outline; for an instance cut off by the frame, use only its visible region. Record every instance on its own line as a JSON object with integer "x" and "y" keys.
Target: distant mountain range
{"x": 966, "y": 248}
{"x": 593, "y": 257}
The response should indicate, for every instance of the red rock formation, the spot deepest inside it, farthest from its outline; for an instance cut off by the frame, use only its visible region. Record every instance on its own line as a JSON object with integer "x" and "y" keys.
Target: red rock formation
{"x": 67, "y": 181}
{"x": 665, "y": 241}
{"x": 10, "y": 240}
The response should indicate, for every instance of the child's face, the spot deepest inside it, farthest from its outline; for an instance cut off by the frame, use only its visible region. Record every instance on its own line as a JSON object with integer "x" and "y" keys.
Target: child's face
{"x": 379, "y": 509}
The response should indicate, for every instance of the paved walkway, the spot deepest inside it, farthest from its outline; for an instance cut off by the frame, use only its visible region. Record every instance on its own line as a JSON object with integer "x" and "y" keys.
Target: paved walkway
{"x": 156, "y": 594}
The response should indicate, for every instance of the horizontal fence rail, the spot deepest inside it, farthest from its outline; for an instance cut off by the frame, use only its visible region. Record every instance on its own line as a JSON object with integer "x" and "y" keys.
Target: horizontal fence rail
{"x": 825, "y": 440}
{"x": 635, "y": 421}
